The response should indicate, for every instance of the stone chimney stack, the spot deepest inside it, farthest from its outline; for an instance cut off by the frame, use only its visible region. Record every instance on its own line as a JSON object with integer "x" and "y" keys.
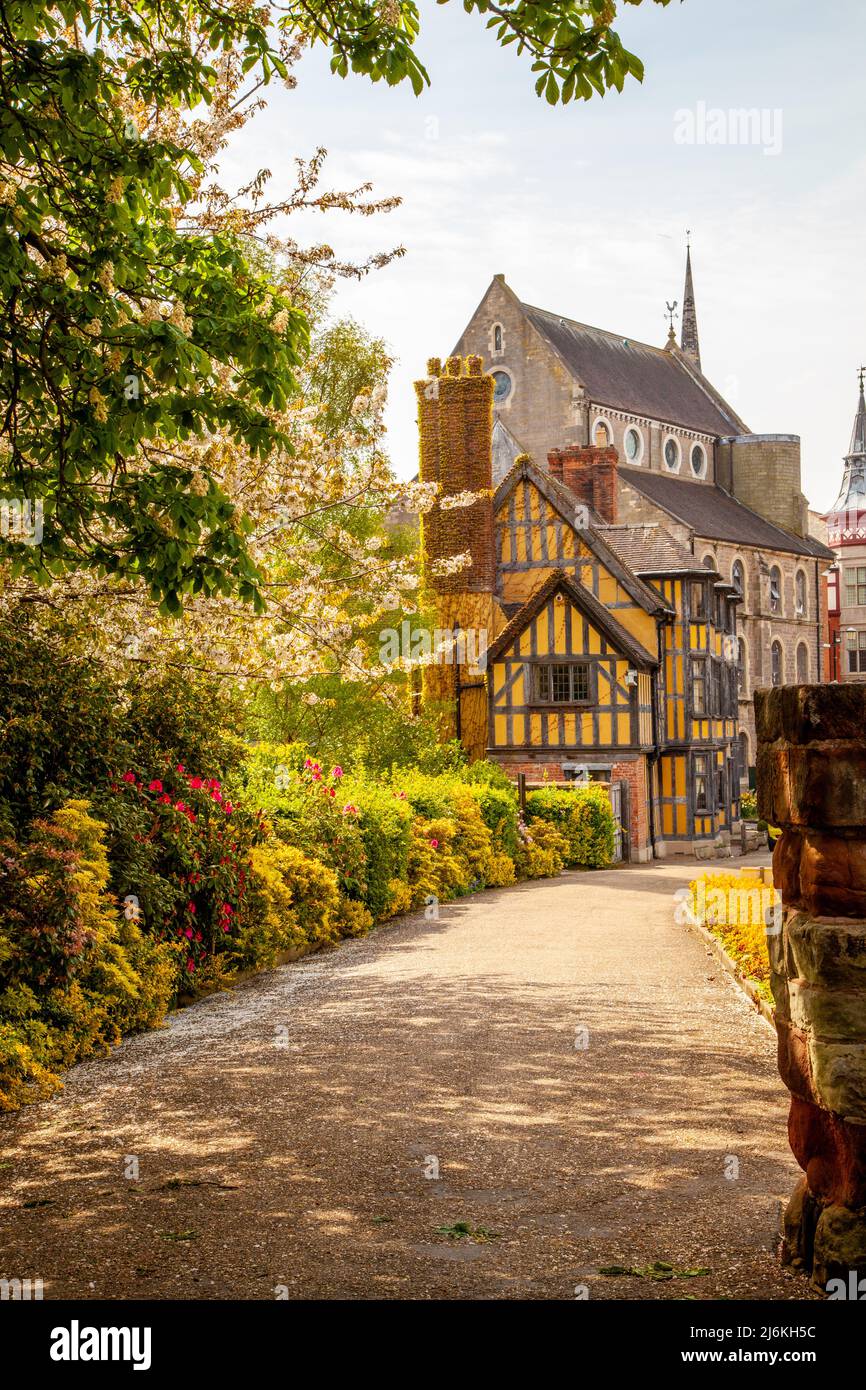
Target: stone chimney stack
{"x": 591, "y": 473}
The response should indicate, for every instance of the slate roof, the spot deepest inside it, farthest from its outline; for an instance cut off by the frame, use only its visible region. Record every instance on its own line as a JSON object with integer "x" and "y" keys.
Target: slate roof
{"x": 598, "y": 615}
{"x": 635, "y": 377}
{"x": 716, "y": 515}
{"x": 648, "y": 548}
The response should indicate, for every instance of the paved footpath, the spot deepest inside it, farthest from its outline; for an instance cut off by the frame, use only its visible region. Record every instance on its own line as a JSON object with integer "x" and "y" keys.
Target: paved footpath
{"x": 287, "y": 1134}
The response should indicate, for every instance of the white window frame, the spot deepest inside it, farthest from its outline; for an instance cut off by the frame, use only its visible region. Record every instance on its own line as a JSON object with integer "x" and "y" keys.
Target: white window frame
{"x": 638, "y": 458}
{"x": 602, "y": 420}
{"x": 696, "y": 444}
{"x": 679, "y": 448}
{"x": 801, "y": 610}
{"x": 801, "y": 647}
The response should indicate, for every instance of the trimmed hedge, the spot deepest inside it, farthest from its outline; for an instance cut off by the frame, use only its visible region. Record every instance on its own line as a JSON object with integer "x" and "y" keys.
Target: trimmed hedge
{"x": 583, "y": 816}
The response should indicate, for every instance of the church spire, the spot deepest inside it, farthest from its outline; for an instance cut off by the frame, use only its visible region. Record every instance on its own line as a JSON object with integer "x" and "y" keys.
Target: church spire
{"x": 689, "y": 336}
{"x": 848, "y": 512}
{"x": 858, "y": 435}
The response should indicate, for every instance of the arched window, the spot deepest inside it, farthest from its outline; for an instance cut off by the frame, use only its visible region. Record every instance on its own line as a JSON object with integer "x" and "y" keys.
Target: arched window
{"x": 741, "y": 658}
{"x": 709, "y": 562}
{"x": 776, "y": 664}
{"x": 800, "y": 595}
{"x": 775, "y": 590}
{"x": 497, "y": 337}
{"x": 738, "y": 577}
{"x": 601, "y": 436}
{"x": 744, "y": 754}
{"x": 802, "y": 664}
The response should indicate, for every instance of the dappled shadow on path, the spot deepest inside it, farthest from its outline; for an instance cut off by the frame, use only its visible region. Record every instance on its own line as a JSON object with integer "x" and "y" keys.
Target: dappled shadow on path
{"x": 285, "y": 1135}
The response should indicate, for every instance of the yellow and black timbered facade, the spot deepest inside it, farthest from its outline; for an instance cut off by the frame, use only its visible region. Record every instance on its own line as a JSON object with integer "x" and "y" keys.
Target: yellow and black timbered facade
{"x": 566, "y": 677}
{"x": 609, "y": 673}
{"x": 696, "y": 784}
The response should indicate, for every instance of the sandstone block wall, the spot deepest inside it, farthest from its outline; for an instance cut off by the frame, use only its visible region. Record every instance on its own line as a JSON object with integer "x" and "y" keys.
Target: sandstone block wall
{"x": 812, "y": 783}
{"x": 765, "y": 473}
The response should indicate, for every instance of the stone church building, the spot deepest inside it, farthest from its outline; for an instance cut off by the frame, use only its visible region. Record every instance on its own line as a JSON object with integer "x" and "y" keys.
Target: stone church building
{"x": 670, "y": 468}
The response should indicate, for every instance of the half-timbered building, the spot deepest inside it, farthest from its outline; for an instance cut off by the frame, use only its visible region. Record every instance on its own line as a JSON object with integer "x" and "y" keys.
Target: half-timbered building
{"x": 610, "y": 650}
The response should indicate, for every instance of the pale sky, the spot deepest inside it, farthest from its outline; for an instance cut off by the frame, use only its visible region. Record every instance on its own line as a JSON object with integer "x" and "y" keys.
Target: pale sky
{"x": 584, "y": 208}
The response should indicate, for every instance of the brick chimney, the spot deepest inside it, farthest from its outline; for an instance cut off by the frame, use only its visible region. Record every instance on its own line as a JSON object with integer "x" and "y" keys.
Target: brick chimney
{"x": 591, "y": 473}
{"x": 455, "y": 417}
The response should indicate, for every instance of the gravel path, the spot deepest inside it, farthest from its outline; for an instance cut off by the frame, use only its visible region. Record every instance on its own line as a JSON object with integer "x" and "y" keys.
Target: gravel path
{"x": 287, "y": 1134}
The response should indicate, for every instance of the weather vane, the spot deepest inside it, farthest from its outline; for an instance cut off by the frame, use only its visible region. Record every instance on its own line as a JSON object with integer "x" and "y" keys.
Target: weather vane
{"x": 688, "y": 238}
{"x": 861, "y": 372}
{"x": 671, "y": 309}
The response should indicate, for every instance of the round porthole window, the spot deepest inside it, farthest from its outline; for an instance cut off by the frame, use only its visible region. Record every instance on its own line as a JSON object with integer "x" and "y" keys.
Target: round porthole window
{"x": 633, "y": 445}
{"x": 501, "y": 387}
{"x": 698, "y": 460}
{"x": 672, "y": 454}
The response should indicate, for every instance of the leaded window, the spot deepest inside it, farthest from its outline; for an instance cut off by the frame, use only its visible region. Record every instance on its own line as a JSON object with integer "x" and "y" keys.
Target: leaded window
{"x": 563, "y": 683}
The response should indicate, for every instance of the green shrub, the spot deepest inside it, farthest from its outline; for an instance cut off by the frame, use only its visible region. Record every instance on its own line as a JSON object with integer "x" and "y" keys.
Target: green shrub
{"x": 184, "y": 719}
{"x": 583, "y": 815}
{"x": 384, "y": 819}
{"x": 61, "y": 726}
{"x": 75, "y": 973}
{"x": 542, "y": 851}
{"x": 309, "y": 808}
{"x": 292, "y": 901}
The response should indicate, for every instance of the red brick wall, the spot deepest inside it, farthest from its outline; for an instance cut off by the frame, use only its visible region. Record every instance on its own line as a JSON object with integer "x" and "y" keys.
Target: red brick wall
{"x": 634, "y": 774}
{"x": 534, "y": 771}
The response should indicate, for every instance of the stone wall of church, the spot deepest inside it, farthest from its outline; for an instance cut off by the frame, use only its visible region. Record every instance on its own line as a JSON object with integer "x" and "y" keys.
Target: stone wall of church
{"x": 538, "y": 410}
{"x": 757, "y": 624}
{"x": 695, "y": 449}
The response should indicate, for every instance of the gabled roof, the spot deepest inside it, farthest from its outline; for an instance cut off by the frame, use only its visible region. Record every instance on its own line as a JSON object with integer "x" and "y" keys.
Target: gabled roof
{"x": 715, "y": 515}
{"x": 657, "y": 383}
{"x": 600, "y": 617}
{"x": 564, "y": 501}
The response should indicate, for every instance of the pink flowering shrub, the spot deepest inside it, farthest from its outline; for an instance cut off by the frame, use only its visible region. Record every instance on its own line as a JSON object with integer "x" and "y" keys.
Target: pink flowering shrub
{"x": 180, "y": 852}
{"x": 306, "y": 806}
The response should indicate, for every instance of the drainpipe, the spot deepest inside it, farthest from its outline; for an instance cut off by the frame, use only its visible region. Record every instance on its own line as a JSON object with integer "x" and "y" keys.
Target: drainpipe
{"x": 656, "y": 753}
{"x": 819, "y": 677}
